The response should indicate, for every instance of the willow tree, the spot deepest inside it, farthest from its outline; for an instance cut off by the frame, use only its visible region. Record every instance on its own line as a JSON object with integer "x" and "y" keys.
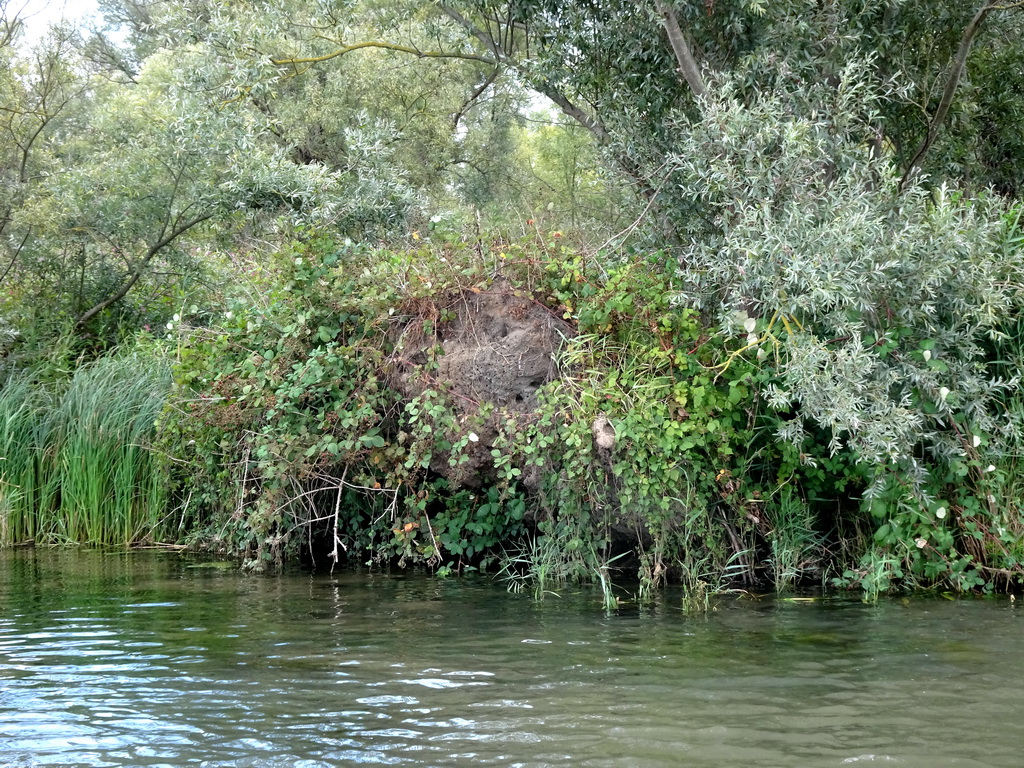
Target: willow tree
{"x": 115, "y": 182}
{"x": 446, "y": 74}
{"x": 626, "y": 70}
{"x": 822, "y": 171}
{"x": 451, "y": 115}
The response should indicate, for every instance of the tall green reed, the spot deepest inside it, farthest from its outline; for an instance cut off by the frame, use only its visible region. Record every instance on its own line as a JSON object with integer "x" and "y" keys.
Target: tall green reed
{"x": 24, "y": 428}
{"x": 75, "y": 460}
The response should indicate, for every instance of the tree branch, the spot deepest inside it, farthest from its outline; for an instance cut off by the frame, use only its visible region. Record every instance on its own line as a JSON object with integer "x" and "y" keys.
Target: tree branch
{"x": 166, "y": 239}
{"x": 541, "y": 86}
{"x": 688, "y": 66}
{"x": 10, "y": 26}
{"x": 571, "y": 110}
{"x": 956, "y": 71}
{"x": 486, "y": 39}
{"x": 17, "y": 253}
{"x": 477, "y": 93}
{"x": 286, "y": 61}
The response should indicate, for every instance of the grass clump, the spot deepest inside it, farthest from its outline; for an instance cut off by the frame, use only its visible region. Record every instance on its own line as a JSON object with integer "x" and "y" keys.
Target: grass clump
{"x": 77, "y": 466}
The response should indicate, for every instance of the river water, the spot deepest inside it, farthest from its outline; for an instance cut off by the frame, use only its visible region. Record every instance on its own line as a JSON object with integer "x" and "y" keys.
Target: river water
{"x": 153, "y": 659}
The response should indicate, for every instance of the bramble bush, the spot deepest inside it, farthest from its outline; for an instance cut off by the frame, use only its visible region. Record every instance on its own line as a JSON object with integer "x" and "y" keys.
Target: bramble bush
{"x": 285, "y": 427}
{"x": 683, "y": 443}
{"x": 649, "y": 444}
{"x": 285, "y": 430}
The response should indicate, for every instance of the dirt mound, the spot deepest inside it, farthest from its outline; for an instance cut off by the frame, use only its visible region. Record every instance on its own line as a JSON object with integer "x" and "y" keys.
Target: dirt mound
{"x": 498, "y": 347}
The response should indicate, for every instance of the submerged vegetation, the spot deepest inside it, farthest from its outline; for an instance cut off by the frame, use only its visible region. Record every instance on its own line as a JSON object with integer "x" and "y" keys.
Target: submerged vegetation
{"x": 733, "y": 320}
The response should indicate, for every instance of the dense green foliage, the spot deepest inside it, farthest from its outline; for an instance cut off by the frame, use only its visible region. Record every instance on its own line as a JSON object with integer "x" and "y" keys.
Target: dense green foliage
{"x": 287, "y": 415}
{"x": 616, "y": 68}
{"x": 289, "y": 429}
{"x": 783, "y": 239}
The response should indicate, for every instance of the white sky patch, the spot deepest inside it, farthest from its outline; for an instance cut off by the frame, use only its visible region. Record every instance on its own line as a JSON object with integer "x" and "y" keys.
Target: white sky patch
{"x": 39, "y": 15}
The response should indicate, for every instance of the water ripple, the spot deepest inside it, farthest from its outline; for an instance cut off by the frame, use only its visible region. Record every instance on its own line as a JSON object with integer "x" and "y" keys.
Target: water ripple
{"x": 158, "y": 669}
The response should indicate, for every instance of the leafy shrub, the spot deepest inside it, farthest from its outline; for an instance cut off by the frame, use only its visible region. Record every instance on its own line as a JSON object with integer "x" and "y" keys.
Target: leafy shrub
{"x": 671, "y": 446}
{"x": 873, "y": 303}
{"x": 286, "y": 425}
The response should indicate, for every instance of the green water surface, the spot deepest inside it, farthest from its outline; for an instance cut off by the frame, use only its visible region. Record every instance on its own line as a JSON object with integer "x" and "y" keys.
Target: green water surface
{"x": 145, "y": 659}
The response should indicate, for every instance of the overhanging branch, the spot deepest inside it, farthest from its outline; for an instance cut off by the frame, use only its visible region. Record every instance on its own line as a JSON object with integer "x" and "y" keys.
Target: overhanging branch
{"x": 581, "y": 116}
{"x": 476, "y": 94}
{"x": 344, "y": 50}
{"x": 167, "y": 237}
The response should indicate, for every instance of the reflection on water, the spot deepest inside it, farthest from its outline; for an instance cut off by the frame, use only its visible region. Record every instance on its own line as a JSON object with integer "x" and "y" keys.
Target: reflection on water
{"x": 147, "y": 660}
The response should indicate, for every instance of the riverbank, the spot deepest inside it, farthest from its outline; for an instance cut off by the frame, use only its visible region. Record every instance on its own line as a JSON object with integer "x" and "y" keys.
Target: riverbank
{"x": 524, "y": 407}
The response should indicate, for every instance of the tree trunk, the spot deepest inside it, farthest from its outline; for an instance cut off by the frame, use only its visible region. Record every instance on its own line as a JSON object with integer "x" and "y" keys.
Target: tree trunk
{"x": 688, "y": 66}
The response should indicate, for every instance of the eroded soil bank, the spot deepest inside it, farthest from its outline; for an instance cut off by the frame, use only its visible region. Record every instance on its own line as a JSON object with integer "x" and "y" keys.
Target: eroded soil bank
{"x": 496, "y": 346}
